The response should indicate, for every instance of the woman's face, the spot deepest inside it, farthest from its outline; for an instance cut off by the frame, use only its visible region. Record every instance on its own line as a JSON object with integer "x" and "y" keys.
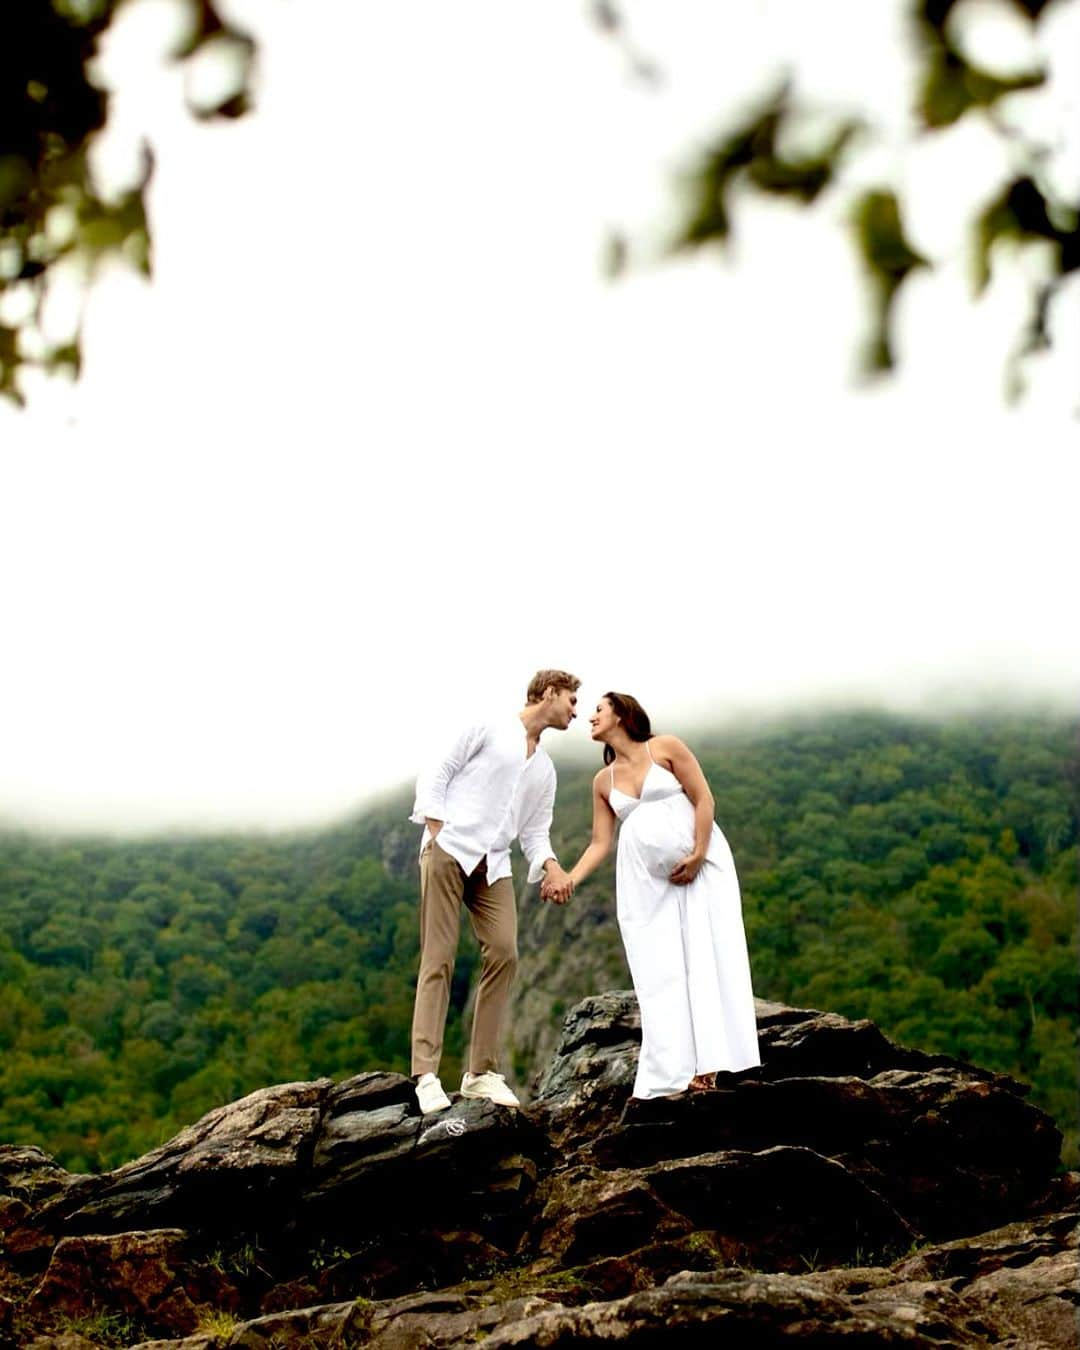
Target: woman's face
{"x": 603, "y": 721}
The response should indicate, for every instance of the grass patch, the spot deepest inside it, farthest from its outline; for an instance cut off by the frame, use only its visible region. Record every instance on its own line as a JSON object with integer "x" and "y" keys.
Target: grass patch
{"x": 216, "y": 1322}
{"x": 107, "y": 1328}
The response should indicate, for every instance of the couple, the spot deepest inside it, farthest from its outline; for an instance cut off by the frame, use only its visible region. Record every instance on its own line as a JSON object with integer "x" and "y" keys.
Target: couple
{"x": 677, "y": 895}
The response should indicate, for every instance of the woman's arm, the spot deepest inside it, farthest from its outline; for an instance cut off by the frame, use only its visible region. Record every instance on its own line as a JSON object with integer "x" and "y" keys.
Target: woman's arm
{"x": 688, "y": 771}
{"x": 603, "y": 833}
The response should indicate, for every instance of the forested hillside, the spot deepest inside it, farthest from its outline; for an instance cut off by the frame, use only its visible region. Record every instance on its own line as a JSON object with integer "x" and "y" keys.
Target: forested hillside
{"x": 920, "y": 874}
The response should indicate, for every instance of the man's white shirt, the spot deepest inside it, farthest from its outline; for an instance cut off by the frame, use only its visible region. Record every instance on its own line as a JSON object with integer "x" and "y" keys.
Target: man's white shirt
{"x": 487, "y": 790}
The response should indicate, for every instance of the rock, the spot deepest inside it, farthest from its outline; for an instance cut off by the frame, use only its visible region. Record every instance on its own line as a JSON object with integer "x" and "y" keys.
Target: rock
{"x": 30, "y": 1174}
{"x": 396, "y": 1324}
{"x": 395, "y": 1266}
{"x": 1027, "y": 1308}
{"x": 1033, "y": 1306}
{"x": 405, "y": 1329}
{"x": 470, "y": 1169}
{"x": 149, "y": 1277}
{"x": 734, "y": 1308}
{"x": 777, "y": 1209}
{"x": 592, "y": 1068}
{"x": 783, "y": 1206}
{"x": 1015, "y": 1244}
{"x": 64, "y": 1340}
{"x": 313, "y": 1157}
{"x": 587, "y": 1213}
{"x": 951, "y": 1148}
{"x": 239, "y": 1160}
{"x": 300, "y": 1327}
{"x": 848, "y": 1190}
{"x": 21, "y": 1240}
{"x": 28, "y": 1178}
{"x": 614, "y": 1277}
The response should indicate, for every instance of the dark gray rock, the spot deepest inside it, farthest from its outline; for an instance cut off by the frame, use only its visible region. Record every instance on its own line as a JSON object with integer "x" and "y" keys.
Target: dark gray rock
{"x": 293, "y": 1158}
{"x": 1013, "y": 1245}
{"x": 951, "y": 1148}
{"x": 240, "y": 1161}
{"x": 779, "y": 1209}
{"x": 792, "y": 1203}
{"x": 738, "y": 1309}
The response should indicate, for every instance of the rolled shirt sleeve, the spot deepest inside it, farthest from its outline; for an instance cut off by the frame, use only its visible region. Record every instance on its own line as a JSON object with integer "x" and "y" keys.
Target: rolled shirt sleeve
{"x": 534, "y": 833}
{"x": 431, "y": 785}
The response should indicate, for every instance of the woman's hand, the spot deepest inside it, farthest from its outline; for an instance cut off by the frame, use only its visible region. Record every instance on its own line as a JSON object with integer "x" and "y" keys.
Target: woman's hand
{"x": 687, "y": 870}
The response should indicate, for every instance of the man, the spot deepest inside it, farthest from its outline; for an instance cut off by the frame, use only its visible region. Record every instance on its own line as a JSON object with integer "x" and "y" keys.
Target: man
{"x": 495, "y": 783}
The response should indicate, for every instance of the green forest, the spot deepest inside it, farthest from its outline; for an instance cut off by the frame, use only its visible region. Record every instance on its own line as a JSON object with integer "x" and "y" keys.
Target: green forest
{"x": 919, "y": 873}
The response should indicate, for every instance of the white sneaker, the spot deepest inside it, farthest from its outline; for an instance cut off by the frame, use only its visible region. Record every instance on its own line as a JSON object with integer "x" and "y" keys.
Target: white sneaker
{"x": 489, "y": 1085}
{"x": 430, "y": 1094}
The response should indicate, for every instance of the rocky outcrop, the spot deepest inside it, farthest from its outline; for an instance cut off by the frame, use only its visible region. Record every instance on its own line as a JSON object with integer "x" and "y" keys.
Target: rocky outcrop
{"x": 153, "y": 1278}
{"x": 307, "y": 1157}
{"x": 849, "y": 1189}
{"x": 952, "y": 1148}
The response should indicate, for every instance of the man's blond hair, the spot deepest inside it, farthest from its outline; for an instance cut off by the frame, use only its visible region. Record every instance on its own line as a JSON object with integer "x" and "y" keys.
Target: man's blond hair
{"x": 550, "y": 679}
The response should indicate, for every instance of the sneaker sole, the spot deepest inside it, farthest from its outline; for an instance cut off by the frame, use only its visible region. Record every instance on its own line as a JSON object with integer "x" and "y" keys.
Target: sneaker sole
{"x": 486, "y": 1097}
{"x": 434, "y": 1110}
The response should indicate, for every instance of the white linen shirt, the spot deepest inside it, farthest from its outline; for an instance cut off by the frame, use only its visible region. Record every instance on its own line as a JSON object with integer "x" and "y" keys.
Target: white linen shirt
{"x": 487, "y": 791}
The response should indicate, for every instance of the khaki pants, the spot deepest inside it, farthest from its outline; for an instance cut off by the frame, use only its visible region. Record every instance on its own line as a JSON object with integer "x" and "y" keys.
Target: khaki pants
{"x": 444, "y": 887}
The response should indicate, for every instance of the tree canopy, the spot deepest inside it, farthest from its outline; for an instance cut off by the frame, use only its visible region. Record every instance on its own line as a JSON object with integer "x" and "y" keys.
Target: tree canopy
{"x": 917, "y": 874}
{"x": 52, "y": 211}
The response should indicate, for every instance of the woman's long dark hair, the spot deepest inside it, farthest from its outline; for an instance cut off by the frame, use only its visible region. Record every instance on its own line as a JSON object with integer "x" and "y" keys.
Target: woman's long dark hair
{"x": 634, "y": 719}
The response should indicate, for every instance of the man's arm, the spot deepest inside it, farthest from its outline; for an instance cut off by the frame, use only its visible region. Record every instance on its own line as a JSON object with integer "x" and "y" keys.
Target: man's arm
{"x": 433, "y": 782}
{"x": 535, "y": 837}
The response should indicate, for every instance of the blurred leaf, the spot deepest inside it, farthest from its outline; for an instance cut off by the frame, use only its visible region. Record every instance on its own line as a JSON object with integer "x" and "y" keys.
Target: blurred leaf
{"x": 219, "y": 77}
{"x": 81, "y": 12}
{"x": 50, "y": 111}
{"x": 750, "y": 151}
{"x": 1032, "y": 8}
{"x": 68, "y": 357}
{"x": 9, "y": 363}
{"x": 935, "y": 13}
{"x": 951, "y": 87}
{"x": 16, "y": 179}
{"x": 205, "y": 22}
{"x": 605, "y": 16}
{"x": 1022, "y": 213}
{"x": 889, "y": 259}
{"x": 616, "y": 255}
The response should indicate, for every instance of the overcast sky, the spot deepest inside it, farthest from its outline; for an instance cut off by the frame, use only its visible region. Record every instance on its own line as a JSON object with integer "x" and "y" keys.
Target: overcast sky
{"x": 379, "y": 440}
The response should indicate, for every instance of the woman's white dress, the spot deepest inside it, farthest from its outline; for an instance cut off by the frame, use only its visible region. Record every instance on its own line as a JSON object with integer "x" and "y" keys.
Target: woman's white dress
{"x": 685, "y": 944}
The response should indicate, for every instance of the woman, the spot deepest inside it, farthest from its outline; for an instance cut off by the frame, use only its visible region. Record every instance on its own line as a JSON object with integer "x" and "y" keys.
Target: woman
{"x": 677, "y": 900}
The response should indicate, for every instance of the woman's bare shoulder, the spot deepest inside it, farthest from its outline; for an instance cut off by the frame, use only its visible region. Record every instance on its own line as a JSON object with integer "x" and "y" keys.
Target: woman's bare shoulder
{"x": 601, "y": 777}
{"x": 668, "y": 744}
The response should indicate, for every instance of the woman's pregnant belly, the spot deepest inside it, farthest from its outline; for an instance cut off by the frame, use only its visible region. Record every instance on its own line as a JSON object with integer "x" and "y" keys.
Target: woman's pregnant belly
{"x": 659, "y": 834}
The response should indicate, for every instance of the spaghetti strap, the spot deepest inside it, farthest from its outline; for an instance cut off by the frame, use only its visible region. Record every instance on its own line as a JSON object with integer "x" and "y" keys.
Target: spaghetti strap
{"x": 611, "y": 770}
{"x": 650, "y": 752}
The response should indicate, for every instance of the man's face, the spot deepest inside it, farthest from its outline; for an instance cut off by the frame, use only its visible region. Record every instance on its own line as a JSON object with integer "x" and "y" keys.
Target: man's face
{"x": 563, "y": 707}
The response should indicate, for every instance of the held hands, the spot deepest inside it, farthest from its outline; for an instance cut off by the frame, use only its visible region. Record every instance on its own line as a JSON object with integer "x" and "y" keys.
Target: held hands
{"x": 687, "y": 870}
{"x": 557, "y": 885}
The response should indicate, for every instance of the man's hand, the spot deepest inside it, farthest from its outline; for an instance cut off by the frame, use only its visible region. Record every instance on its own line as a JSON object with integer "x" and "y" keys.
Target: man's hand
{"x": 434, "y": 826}
{"x": 557, "y": 884}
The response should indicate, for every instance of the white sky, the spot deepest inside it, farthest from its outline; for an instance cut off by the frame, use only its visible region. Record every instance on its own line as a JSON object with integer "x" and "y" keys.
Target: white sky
{"x": 379, "y": 440}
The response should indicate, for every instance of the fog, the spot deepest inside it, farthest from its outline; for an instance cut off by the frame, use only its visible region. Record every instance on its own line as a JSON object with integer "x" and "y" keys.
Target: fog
{"x": 379, "y": 440}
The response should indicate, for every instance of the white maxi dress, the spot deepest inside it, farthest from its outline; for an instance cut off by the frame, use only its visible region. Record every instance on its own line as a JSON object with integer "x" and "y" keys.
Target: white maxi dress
{"x": 685, "y": 944}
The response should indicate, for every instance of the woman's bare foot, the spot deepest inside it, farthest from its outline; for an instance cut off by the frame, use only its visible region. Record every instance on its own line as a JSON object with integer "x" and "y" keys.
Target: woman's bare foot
{"x": 704, "y": 1082}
